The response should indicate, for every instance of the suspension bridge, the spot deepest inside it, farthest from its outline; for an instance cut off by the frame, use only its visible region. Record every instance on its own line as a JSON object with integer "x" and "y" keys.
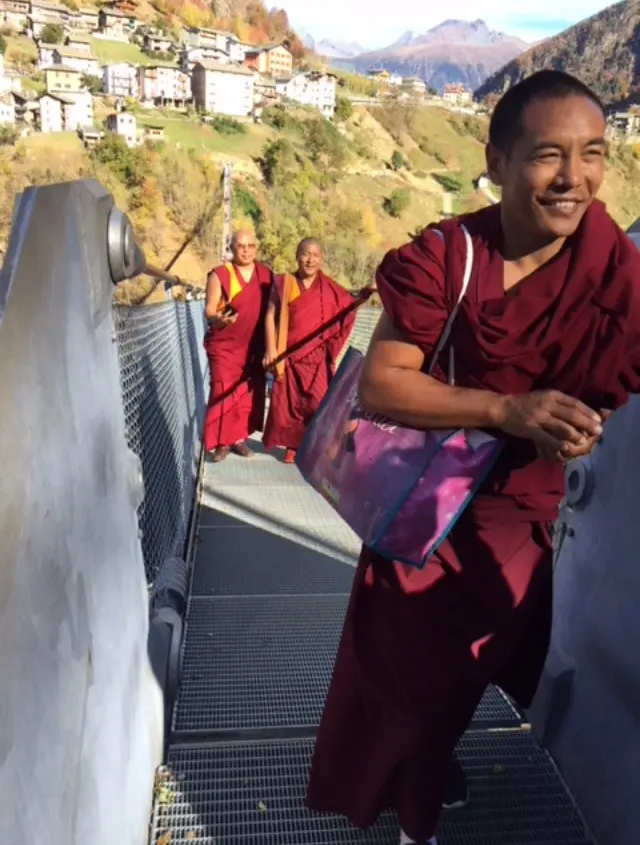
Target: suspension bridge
{"x": 168, "y": 626}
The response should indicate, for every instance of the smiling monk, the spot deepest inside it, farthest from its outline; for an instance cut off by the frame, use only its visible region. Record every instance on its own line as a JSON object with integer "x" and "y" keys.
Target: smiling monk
{"x": 300, "y": 304}
{"x": 546, "y": 342}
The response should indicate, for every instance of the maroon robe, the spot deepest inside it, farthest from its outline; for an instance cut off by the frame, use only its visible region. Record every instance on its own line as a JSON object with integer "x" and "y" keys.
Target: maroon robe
{"x": 296, "y": 397}
{"x": 419, "y": 648}
{"x": 237, "y": 397}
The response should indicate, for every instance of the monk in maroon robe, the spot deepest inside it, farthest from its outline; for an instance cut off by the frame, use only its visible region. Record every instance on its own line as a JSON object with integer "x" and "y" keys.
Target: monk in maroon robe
{"x": 237, "y": 297}
{"x": 313, "y": 299}
{"x": 546, "y": 339}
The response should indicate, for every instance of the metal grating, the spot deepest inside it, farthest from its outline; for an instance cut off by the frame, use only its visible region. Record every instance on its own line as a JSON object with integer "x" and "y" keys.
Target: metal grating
{"x": 296, "y": 513}
{"x": 253, "y": 794}
{"x": 265, "y": 662}
{"x": 257, "y": 662}
{"x": 366, "y": 320}
{"x": 226, "y": 563}
{"x": 261, "y": 469}
{"x": 163, "y": 375}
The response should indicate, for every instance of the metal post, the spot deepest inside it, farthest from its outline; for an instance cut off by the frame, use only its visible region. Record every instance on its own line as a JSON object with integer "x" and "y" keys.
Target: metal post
{"x": 226, "y": 211}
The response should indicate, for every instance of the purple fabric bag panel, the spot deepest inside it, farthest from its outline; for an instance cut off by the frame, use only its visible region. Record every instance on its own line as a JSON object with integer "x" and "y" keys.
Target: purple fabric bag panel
{"x": 400, "y": 489}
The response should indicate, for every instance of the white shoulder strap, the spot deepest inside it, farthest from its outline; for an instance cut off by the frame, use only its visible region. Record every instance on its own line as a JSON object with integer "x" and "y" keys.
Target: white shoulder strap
{"x": 468, "y": 267}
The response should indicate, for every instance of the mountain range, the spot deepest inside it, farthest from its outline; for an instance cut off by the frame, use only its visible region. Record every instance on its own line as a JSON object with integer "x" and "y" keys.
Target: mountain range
{"x": 603, "y": 51}
{"x": 453, "y": 51}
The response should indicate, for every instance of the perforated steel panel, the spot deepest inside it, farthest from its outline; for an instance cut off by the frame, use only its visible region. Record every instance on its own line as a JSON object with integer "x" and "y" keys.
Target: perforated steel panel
{"x": 253, "y": 794}
{"x": 294, "y": 512}
{"x": 163, "y": 379}
{"x": 266, "y": 662}
{"x": 226, "y": 563}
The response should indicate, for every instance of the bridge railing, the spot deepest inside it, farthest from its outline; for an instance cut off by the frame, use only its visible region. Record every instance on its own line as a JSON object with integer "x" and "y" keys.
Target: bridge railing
{"x": 163, "y": 374}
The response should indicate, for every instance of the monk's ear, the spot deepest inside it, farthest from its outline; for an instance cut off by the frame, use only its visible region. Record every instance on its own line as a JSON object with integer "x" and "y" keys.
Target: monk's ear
{"x": 495, "y": 164}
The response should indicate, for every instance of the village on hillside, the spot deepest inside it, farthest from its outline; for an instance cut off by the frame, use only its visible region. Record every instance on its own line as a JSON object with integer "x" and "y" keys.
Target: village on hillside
{"x": 207, "y": 70}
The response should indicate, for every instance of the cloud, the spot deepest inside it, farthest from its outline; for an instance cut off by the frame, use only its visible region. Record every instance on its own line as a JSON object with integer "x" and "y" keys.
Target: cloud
{"x": 356, "y": 20}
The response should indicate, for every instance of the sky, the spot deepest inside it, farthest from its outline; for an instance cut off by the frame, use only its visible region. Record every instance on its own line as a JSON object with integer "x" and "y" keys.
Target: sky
{"x": 355, "y": 20}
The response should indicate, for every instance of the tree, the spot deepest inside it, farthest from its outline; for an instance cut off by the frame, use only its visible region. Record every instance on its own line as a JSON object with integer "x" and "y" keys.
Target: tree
{"x": 3, "y": 45}
{"x": 52, "y": 33}
{"x": 398, "y": 202}
{"x": 91, "y": 83}
{"x": 344, "y": 109}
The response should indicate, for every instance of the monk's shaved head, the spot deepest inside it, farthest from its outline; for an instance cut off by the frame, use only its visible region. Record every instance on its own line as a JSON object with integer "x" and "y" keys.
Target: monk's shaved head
{"x": 305, "y": 243}
{"x": 243, "y": 235}
{"x": 508, "y": 116}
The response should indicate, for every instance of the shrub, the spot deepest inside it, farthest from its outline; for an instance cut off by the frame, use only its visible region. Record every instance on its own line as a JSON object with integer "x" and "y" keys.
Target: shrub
{"x": 398, "y": 202}
{"x": 397, "y": 160}
{"x": 226, "y": 125}
{"x": 344, "y": 109}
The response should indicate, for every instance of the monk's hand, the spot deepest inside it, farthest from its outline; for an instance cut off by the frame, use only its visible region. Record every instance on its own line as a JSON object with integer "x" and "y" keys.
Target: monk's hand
{"x": 572, "y": 451}
{"x": 221, "y": 321}
{"x": 269, "y": 357}
{"x": 554, "y": 421}
{"x": 569, "y": 452}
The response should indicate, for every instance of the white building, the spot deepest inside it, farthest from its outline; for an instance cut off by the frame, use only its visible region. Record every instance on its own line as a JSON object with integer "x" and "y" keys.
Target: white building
{"x": 216, "y": 40}
{"x": 236, "y": 49}
{"x": 457, "y": 95}
{"x": 311, "y": 89}
{"x": 190, "y": 56}
{"x": 123, "y": 123}
{"x": 10, "y": 81}
{"x": 223, "y": 89}
{"x": 7, "y": 110}
{"x": 45, "y": 55}
{"x": 414, "y": 85}
{"x": 77, "y": 60}
{"x": 158, "y": 43}
{"x": 15, "y": 13}
{"x": 121, "y": 80}
{"x": 79, "y": 41}
{"x": 86, "y": 18}
{"x": 164, "y": 85}
{"x": 65, "y": 112}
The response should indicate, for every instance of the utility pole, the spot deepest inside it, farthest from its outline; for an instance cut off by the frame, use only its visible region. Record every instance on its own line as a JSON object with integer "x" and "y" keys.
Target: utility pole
{"x": 226, "y": 211}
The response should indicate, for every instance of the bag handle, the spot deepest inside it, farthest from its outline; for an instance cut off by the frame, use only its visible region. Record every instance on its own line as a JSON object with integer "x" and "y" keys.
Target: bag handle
{"x": 468, "y": 268}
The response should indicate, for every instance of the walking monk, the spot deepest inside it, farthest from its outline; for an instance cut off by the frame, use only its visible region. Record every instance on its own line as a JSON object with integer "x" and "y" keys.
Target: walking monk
{"x": 299, "y": 304}
{"x": 237, "y": 297}
{"x": 546, "y": 339}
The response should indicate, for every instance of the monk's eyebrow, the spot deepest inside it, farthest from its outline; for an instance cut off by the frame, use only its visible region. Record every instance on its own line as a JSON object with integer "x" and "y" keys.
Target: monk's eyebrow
{"x": 554, "y": 145}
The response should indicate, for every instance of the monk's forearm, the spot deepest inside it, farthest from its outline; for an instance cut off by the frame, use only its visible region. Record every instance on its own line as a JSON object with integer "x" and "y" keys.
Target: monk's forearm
{"x": 270, "y": 331}
{"x": 416, "y": 400}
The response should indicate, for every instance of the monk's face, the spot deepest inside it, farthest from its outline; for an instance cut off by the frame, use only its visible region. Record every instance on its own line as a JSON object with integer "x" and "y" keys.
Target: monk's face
{"x": 244, "y": 249}
{"x": 554, "y": 169}
{"x": 309, "y": 261}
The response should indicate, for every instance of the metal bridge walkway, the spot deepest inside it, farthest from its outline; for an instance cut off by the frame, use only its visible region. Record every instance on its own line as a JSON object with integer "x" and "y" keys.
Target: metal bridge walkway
{"x": 271, "y": 578}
